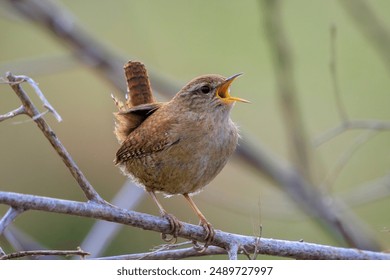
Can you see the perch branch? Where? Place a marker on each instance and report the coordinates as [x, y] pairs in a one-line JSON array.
[[102, 233], [292, 249], [33, 112]]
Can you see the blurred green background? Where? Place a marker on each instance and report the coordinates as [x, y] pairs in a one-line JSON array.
[[181, 40]]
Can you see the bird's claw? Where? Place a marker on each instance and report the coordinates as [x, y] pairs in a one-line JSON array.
[[210, 233], [171, 237]]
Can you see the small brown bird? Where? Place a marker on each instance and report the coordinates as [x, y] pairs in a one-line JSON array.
[[179, 146]]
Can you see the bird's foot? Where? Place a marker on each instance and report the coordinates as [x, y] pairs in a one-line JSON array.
[[210, 233], [171, 237]]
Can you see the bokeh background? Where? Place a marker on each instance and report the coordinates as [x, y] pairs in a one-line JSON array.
[[180, 40]]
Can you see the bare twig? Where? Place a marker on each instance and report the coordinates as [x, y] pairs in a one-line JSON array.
[[377, 125], [22, 254], [299, 250], [346, 122], [169, 254], [13, 113], [170, 251], [255, 251], [8, 218], [38, 91], [33, 112]]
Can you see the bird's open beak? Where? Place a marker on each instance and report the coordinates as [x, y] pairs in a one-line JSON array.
[[223, 90]]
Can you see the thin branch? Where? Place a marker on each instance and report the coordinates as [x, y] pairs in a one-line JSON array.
[[33, 113], [13, 113], [38, 91], [22, 254], [169, 251], [9, 217], [169, 254], [292, 249], [328, 135]]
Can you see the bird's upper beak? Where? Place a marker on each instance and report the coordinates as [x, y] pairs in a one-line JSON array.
[[223, 90]]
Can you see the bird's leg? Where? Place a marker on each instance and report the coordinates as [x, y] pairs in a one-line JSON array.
[[210, 233], [175, 223]]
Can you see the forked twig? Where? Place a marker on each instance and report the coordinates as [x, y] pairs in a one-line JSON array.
[[33, 113], [371, 127], [34, 85], [346, 122]]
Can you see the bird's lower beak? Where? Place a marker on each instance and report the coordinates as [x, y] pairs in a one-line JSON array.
[[223, 90]]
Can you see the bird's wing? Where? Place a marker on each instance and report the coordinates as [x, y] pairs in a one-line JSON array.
[[127, 121], [153, 135]]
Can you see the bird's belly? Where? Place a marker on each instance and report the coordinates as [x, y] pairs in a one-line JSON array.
[[181, 169]]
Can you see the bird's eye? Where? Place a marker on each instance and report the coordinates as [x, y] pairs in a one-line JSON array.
[[205, 89]]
